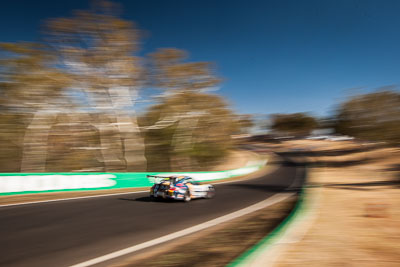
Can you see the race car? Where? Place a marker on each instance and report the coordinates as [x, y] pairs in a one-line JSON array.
[[182, 188]]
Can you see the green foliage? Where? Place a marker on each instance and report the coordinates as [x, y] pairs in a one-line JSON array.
[[374, 116]]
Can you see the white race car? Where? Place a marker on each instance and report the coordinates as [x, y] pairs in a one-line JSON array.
[[179, 188]]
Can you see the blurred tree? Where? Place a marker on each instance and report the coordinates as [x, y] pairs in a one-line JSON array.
[[89, 59], [198, 131], [98, 48], [245, 123], [374, 116], [184, 104], [170, 73], [327, 123], [31, 83], [297, 124]]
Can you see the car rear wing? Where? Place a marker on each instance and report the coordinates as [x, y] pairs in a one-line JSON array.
[[157, 178]]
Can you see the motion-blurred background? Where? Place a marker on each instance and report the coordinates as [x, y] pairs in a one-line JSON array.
[[85, 94]]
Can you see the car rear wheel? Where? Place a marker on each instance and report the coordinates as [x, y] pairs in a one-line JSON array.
[[187, 197], [210, 193]]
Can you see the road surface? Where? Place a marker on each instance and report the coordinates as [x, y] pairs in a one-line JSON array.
[[69, 232]]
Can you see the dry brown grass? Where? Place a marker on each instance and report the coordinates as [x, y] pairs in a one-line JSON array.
[[358, 219]]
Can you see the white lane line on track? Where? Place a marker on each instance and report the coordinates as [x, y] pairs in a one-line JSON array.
[[260, 205], [71, 198]]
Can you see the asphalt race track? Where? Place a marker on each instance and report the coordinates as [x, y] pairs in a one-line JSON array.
[[69, 232]]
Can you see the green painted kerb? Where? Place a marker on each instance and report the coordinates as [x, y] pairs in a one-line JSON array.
[[265, 243]]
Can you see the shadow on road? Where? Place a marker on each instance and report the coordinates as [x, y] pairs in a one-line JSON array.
[[333, 152], [300, 159], [347, 163], [360, 186], [144, 199], [266, 188], [149, 199], [126, 199]]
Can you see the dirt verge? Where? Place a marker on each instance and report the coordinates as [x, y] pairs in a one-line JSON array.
[[357, 219]]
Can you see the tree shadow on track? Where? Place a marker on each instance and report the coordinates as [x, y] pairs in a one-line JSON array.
[[347, 163], [332, 152], [360, 186], [267, 188], [126, 199], [142, 199], [148, 199]]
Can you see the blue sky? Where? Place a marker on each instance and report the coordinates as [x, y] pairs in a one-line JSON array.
[[275, 56]]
